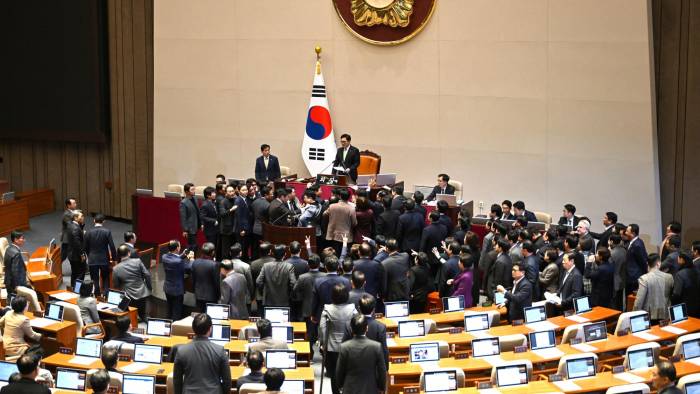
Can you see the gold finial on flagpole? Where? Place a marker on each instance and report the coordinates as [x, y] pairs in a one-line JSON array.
[[318, 60], [318, 52]]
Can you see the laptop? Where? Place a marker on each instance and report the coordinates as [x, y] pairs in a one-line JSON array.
[[486, 347], [283, 332], [595, 332], [172, 195], [542, 340], [70, 379], [363, 180], [385, 179], [220, 333], [580, 368], [411, 328], [451, 199], [639, 323], [535, 314], [678, 313], [6, 370], [277, 314], [453, 304], [151, 354], [642, 358], [476, 322], [424, 352], [144, 192], [54, 311], [292, 386], [282, 359], [119, 299], [396, 309], [218, 311], [511, 375], [438, 381], [582, 305], [692, 388], [138, 384], [88, 347], [78, 285], [691, 349], [158, 327]]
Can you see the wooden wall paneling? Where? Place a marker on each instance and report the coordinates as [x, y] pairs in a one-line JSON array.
[[129, 175], [140, 81], [26, 161], [148, 41]]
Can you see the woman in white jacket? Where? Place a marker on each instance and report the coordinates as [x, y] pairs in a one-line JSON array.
[[334, 318]]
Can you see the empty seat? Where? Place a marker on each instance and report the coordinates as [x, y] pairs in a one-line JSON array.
[[678, 350], [574, 331], [623, 322], [561, 369], [458, 188], [252, 388], [182, 327], [508, 343], [654, 346], [460, 376], [528, 365]]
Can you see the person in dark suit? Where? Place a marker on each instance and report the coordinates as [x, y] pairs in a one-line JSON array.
[[28, 366], [519, 210], [361, 367], [418, 197], [685, 285], [396, 267], [571, 284], [609, 221], [520, 296], [190, 221], [304, 294], [14, 267], [373, 270], [206, 279], [410, 228], [397, 198], [209, 215], [267, 166], [569, 218], [254, 360], [323, 287], [100, 250], [531, 266], [636, 258], [279, 212], [602, 275], [506, 209], [276, 280], [421, 282], [442, 187], [443, 208], [376, 330], [449, 267], [388, 220], [76, 250], [244, 223], [500, 271], [663, 378], [618, 259], [130, 242], [347, 157], [201, 366], [175, 265], [357, 280], [71, 205], [227, 214]]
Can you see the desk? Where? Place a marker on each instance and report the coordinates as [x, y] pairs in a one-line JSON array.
[[72, 298], [156, 220], [4, 186], [39, 201], [14, 215], [326, 190], [59, 334], [37, 270]]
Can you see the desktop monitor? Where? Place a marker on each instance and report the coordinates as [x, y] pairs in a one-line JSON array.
[[218, 311], [115, 297], [158, 327], [476, 322], [582, 305], [511, 375], [435, 381], [411, 328], [88, 347], [486, 347], [396, 309], [151, 354], [6, 370], [642, 358], [692, 388], [580, 367], [220, 332], [78, 285], [292, 386], [138, 384], [678, 313], [167, 194], [424, 352], [542, 339], [691, 349], [594, 331], [385, 179], [453, 304], [54, 312], [283, 333], [639, 323], [363, 180], [282, 359], [277, 315], [534, 314], [70, 379]]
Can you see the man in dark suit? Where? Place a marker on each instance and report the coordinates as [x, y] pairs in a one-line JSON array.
[[260, 208], [376, 330], [499, 273], [450, 268], [227, 214], [442, 187], [388, 219], [175, 265], [443, 208], [520, 296], [506, 208], [254, 362], [100, 250], [373, 270], [300, 265], [636, 258], [569, 217], [76, 251], [279, 210], [15, 268], [206, 279], [267, 167], [357, 279], [244, 221], [130, 242], [361, 367], [410, 228], [609, 221], [190, 221], [209, 215], [397, 198], [531, 266], [519, 210], [618, 259], [276, 280], [304, 294], [71, 205], [201, 366], [323, 287], [396, 267], [28, 367], [571, 283], [347, 157]]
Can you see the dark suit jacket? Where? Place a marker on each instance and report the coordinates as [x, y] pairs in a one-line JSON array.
[[279, 212], [374, 275], [361, 367], [602, 283], [25, 386], [189, 215], [243, 216], [636, 260], [397, 203], [65, 219], [300, 265], [75, 242], [530, 216], [409, 230], [272, 172], [532, 274], [603, 237], [261, 211], [387, 223], [253, 377], [227, 219], [438, 190], [351, 162], [206, 280], [499, 274], [201, 366], [175, 267], [563, 221], [210, 218], [304, 291], [396, 281], [432, 235], [520, 297], [15, 269], [447, 222], [376, 331], [323, 288], [571, 288], [277, 281], [99, 246]]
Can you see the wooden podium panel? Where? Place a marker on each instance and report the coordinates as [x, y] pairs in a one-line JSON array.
[[285, 235], [14, 215], [39, 201]]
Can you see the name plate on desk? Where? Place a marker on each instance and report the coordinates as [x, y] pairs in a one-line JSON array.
[[568, 313], [623, 333], [190, 336], [411, 390], [65, 350], [327, 179], [518, 322], [664, 323], [390, 335], [138, 331], [618, 369], [675, 358], [574, 341], [39, 314], [254, 319], [378, 315], [124, 357], [520, 349], [253, 339], [399, 360], [434, 311], [112, 390], [484, 385], [461, 355], [456, 330], [554, 378]]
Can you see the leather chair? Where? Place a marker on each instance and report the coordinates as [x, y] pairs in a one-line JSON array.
[[169, 384], [71, 312], [633, 388], [678, 349], [623, 322], [561, 369], [509, 342], [692, 378], [528, 365], [247, 332], [543, 217], [370, 163], [654, 346], [175, 188], [182, 327], [459, 188], [199, 190], [4, 244], [574, 331], [284, 171], [32, 298]]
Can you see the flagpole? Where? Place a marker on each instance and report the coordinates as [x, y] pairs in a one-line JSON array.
[[318, 59]]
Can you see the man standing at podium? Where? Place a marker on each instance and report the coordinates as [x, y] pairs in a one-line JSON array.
[[347, 157]]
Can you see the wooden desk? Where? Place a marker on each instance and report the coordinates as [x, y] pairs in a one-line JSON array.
[[14, 215], [104, 314], [39, 201], [37, 269], [4, 186], [299, 328], [59, 334]]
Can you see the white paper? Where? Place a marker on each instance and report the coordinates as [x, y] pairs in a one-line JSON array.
[[390, 342], [493, 360], [629, 377], [64, 296], [104, 305], [674, 330], [429, 366], [552, 298], [41, 322], [577, 318], [584, 347], [135, 367], [37, 259], [340, 168], [549, 353], [489, 391], [543, 325], [695, 361], [480, 334], [39, 273], [82, 360], [646, 336], [567, 385]]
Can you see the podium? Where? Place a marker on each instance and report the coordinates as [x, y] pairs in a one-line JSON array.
[[285, 234]]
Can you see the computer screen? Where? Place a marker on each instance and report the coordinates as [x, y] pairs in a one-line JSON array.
[[542, 339], [639, 323], [138, 384], [692, 388], [220, 332], [78, 284], [642, 358], [453, 304], [594, 331], [511, 375], [54, 312], [88, 347], [424, 352], [292, 387], [440, 381], [412, 328], [282, 359], [283, 333], [148, 353], [678, 313], [485, 347], [396, 309], [580, 367], [535, 314], [277, 315], [114, 297], [476, 322], [70, 379], [582, 304], [158, 327], [218, 311], [7, 369], [691, 349]]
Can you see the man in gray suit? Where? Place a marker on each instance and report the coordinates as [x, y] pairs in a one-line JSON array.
[[618, 258], [133, 278], [189, 217], [304, 293], [277, 280], [396, 267], [201, 366], [654, 293], [243, 268], [234, 290], [361, 367], [71, 205], [266, 341]]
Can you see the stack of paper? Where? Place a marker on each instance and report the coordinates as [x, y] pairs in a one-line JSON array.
[[82, 360], [567, 385], [646, 336], [41, 322], [552, 298], [674, 330], [493, 360], [584, 347], [543, 325], [64, 296], [429, 366], [629, 377], [135, 367], [549, 353], [577, 318]]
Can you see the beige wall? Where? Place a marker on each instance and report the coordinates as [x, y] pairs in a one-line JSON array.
[[548, 101]]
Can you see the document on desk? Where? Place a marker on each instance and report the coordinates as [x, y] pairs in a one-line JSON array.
[[695, 361], [390, 342], [64, 296], [135, 367], [629, 377], [549, 353], [674, 330], [82, 360], [584, 347], [646, 336], [39, 273], [493, 360], [567, 385], [490, 391], [543, 325], [429, 366], [552, 298], [578, 318], [103, 305], [41, 322], [480, 334]]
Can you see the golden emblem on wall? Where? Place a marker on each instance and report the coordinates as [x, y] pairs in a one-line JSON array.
[[394, 13]]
